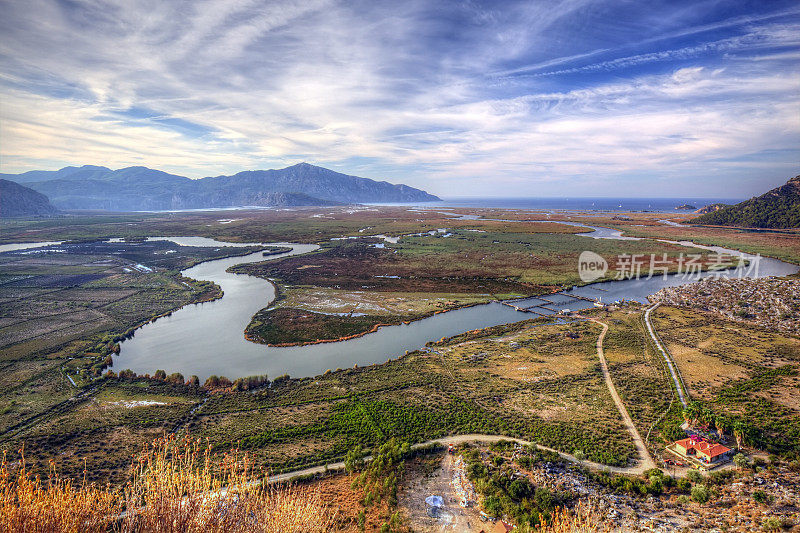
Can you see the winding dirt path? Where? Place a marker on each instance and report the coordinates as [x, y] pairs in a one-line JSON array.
[[471, 437], [645, 460]]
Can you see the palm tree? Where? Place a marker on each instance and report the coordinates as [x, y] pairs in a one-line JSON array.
[[739, 430], [705, 415], [692, 412], [722, 423]]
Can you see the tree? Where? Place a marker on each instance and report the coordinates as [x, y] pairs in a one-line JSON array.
[[722, 423], [354, 460], [160, 375], [692, 413], [742, 431], [580, 456], [193, 381], [741, 461], [700, 494], [705, 415]]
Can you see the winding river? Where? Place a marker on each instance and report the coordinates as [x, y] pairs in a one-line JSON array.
[[207, 338]]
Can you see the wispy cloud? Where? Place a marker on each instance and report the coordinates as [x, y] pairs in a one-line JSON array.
[[451, 97]]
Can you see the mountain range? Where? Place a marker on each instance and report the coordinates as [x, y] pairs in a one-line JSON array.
[[778, 208], [17, 201], [146, 189]]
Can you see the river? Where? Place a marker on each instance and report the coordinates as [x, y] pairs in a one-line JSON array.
[[207, 338]]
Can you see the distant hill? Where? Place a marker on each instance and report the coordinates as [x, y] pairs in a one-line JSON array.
[[710, 208], [779, 208], [146, 189], [84, 172], [19, 201]]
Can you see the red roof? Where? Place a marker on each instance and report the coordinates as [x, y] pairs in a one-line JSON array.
[[711, 449]]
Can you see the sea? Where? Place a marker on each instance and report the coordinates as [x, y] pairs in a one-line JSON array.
[[644, 205], [655, 205]]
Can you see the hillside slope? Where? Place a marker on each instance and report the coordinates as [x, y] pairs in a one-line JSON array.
[[142, 188], [19, 201], [778, 208]]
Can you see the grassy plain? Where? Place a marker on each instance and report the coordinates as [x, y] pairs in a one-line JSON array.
[[780, 244], [498, 261]]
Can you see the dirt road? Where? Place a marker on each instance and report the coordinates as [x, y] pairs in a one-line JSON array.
[[472, 437], [645, 460]]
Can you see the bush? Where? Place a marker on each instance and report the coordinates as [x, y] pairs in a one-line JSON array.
[[695, 476], [741, 460], [655, 487], [762, 497], [700, 494], [217, 382], [772, 523]]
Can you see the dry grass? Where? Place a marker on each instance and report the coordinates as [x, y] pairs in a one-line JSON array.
[[176, 486], [586, 518], [32, 505]]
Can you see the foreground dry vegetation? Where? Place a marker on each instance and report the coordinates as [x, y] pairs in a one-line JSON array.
[[176, 485]]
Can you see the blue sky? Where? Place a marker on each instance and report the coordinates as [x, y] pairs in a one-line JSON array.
[[572, 98]]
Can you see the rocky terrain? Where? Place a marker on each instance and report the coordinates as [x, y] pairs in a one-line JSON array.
[[772, 303], [17, 201]]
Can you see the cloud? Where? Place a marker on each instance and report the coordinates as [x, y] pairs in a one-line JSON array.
[[405, 89]]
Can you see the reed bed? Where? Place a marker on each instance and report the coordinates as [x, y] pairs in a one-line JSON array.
[[176, 485]]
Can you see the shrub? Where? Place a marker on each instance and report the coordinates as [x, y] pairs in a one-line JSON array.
[[762, 497], [741, 461], [655, 486], [700, 494], [772, 523], [217, 382], [695, 476], [175, 377]]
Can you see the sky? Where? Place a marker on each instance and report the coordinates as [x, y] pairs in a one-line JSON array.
[[538, 98]]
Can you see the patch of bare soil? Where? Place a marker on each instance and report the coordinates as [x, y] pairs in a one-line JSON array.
[[434, 477]]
